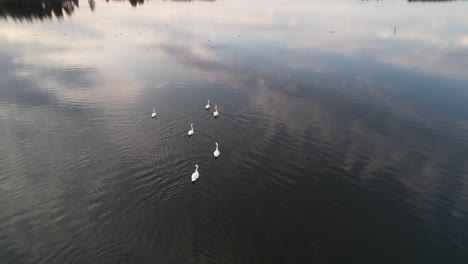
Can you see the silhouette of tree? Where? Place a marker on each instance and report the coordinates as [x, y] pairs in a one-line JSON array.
[[431, 0], [92, 5], [132, 2], [46, 9], [36, 9]]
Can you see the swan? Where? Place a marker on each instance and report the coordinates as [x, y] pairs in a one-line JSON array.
[[195, 175], [153, 115], [207, 105], [191, 131], [216, 153], [215, 113]]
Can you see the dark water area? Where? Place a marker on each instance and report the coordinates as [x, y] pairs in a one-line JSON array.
[[343, 131]]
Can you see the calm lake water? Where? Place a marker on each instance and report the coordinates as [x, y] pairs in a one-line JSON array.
[[343, 131]]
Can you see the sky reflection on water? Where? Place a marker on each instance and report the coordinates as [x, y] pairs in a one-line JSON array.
[[349, 135]]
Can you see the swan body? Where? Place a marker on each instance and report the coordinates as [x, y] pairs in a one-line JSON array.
[[215, 113], [153, 115], [195, 175], [191, 131], [216, 153], [207, 106]]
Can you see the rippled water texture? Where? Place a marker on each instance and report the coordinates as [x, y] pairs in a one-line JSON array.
[[343, 130]]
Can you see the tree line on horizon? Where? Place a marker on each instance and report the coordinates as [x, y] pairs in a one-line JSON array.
[[47, 9]]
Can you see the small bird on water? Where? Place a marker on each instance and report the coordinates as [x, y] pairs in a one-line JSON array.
[[195, 175], [216, 113], [191, 131], [216, 153]]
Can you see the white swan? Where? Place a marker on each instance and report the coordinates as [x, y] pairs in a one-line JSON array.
[[153, 115], [216, 153], [191, 131], [195, 175], [207, 106], [215, 113]]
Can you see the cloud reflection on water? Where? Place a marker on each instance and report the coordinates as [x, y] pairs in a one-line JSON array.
[[397, 96]]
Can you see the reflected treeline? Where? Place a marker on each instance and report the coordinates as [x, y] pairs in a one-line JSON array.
[[432, 0], [36, 9], [46, 9], [417, 0], [132, 2]]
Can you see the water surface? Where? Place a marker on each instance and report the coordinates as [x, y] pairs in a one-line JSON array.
[[343, 130]]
